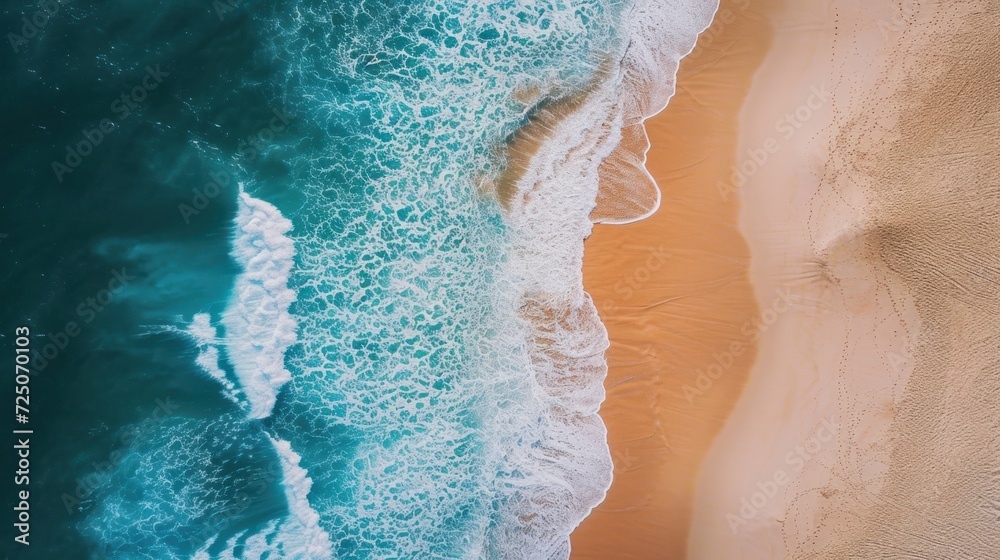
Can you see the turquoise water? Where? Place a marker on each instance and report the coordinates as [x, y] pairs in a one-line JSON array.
[[404, 399], [323, 311]]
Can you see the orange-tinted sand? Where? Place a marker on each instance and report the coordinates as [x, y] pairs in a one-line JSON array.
[[674, 293]]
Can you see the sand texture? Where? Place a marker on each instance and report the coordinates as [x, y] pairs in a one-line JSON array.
[[869, 426], [673, 291]]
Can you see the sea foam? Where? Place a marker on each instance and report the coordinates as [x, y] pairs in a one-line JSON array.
[[660, 33], [449, 366], [206, 337], [549, 218], [259, 327], [297, 536]]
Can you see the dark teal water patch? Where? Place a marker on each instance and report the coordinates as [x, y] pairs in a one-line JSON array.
[[95, 399]]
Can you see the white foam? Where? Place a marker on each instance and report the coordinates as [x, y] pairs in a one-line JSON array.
[[296, 537], [659, 34], [259, 327], [300, 534], [257, 544], [568, 471], [204, 335], [202, 553], [533, 388], [229, 552]]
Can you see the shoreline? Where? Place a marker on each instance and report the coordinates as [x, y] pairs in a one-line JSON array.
[[673, 292], [556, 170]]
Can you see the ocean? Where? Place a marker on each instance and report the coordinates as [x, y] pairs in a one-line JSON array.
[[277, 309]]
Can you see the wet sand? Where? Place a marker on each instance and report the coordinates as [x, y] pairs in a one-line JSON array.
[[521, 147], [674, 293]]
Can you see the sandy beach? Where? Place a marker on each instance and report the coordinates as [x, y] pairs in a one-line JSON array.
[[865, 428], [853, 437], [674, 293], [820, 400], [803, 338]]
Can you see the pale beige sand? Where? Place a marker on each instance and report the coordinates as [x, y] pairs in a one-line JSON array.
[[674, 293], [869, 427]]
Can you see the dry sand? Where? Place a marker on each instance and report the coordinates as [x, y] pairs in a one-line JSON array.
[[869, 426], [673, 291]]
